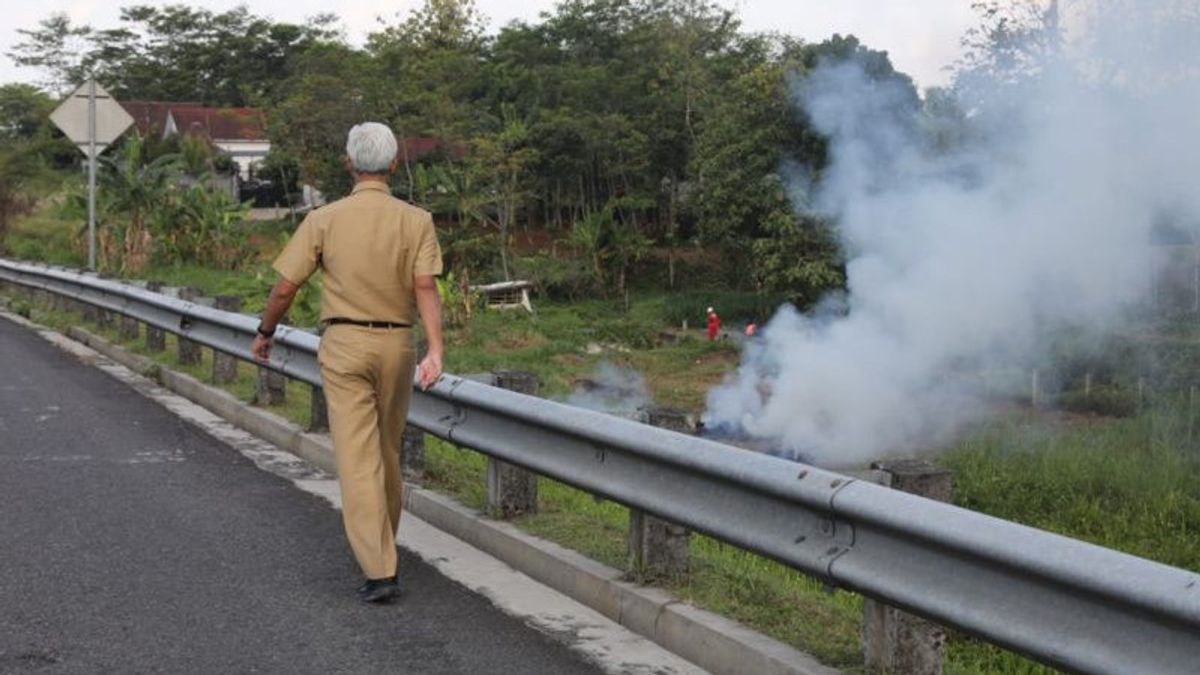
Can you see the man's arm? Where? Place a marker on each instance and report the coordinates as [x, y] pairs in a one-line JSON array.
[[429, 305], [281, 299]]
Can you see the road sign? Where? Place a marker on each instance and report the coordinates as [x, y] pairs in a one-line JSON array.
[[72, 118], [92, 119]]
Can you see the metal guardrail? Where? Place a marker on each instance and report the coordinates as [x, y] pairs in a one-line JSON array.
[[1066, 603]]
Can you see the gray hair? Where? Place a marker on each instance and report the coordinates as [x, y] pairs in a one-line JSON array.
[[371, 147]]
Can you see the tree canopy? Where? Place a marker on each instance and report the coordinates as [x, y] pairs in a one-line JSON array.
[[659, 124]]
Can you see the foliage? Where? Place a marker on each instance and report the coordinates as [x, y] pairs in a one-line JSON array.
[[458, 300], [610, 246], [625, 127], [209, 229], [555, 276], [18, 168], [135, 189], [172, 53]]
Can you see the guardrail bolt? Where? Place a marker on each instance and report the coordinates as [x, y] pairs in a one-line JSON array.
[[659, 549], [511, 490], [189, 352], [225, 367], [156, 338], [896, 642]]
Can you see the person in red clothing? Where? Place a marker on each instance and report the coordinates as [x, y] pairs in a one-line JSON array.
[[714, 324]]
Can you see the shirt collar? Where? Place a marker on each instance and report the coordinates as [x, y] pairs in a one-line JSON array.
[[370, 185]]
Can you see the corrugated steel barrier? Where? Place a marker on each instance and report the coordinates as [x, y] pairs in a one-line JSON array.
[[1066, 603]]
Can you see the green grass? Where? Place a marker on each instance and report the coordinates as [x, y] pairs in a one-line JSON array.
[[47, 235], [770, 597]]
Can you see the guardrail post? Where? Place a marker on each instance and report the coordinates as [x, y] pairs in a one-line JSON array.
[[104, 317], [130, 328], [156, 338], [412, 453], [894, 641], [225, 367], [658, 549], [318, 419], [188, 351], [89, 312], [511, 490], [272, 386]]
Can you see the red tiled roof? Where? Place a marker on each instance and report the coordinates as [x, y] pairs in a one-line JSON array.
[[150, 117], [416, 147], [225, 124]]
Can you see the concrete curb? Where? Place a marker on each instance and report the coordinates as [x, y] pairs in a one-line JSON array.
[[713, 642]]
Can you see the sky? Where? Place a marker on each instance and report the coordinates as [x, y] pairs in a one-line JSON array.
[[922, 36]]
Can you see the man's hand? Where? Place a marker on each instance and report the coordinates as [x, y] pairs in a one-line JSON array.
[[261, 348], [430, 369]]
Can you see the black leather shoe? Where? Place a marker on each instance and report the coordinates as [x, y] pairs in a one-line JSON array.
[[379, 590]]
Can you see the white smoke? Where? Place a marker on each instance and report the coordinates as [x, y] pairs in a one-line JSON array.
[[612, 389], [1042, 219]]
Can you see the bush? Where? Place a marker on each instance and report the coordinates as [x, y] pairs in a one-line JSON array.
[[732, 306], [633, 333], [556, 277], [1106, 400]]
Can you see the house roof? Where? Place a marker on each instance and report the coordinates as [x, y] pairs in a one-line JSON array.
[[150, 117], [219, 124], [416, 147]]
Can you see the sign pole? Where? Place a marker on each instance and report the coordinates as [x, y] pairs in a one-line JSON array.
[[92, 175], [92, 119]]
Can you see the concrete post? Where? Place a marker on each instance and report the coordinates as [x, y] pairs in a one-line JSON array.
[[272, 386], [412, 453], [225, 367], [189, 352], [90, 313], [658, 549], [895, 642], [156, 339], [104, 318], [511, 490], [130, 328], [318, 419]]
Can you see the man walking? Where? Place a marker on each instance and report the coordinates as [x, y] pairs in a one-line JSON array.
[[379, 257]]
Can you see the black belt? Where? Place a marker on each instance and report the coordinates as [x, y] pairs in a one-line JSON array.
[[369, 324]]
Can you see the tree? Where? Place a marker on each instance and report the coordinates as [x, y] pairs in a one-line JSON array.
[[135, 189], [757, 157], [329, 93], [504, 161], [173, 53], [57, 47], [19, 166], [24, 112]]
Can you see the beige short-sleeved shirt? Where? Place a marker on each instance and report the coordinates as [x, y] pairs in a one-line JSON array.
[[370, 246]]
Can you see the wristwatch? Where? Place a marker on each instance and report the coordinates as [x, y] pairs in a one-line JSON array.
[[269, 334]]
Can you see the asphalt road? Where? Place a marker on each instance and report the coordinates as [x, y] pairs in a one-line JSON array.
[[131, 542]]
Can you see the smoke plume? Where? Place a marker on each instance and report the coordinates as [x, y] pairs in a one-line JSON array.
[[1038, 217], [612, 389]]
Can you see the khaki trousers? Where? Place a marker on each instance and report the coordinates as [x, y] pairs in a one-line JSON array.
[[367, 374]]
